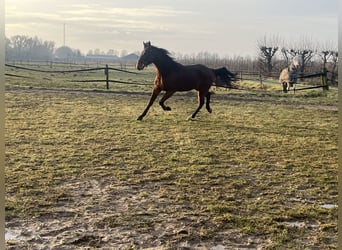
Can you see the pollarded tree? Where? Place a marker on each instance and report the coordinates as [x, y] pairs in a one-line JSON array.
[[266, 56], [325, 55], [334, 62], [267, 50]]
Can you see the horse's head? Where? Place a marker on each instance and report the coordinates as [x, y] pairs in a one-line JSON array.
[[296, 62], [146, 56]]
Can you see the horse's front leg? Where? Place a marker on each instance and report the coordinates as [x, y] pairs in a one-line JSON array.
[[154, 95], [166, 96], [285, 86]]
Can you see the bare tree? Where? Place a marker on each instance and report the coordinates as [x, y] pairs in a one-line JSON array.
[[112, 52], [286, 55], [334, 75], [325, 55], [123, 53], [8, 48], [268, 47], [326, 52], [19, 44]]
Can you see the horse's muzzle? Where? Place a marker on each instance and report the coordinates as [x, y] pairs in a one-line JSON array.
[[140, 66]]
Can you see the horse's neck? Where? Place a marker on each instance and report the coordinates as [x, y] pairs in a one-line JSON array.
[[165, 66]]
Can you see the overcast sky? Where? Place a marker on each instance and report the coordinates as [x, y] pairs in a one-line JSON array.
[[226, 27]]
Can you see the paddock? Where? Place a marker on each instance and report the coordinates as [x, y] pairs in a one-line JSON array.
[[259, 171]]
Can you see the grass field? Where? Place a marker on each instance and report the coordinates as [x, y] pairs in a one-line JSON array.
[[81, 172]]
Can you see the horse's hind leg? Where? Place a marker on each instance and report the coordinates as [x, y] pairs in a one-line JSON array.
[[166, 96], [200, 105], [154, 95], [208, 102]]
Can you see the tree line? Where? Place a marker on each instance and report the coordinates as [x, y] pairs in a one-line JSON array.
[[21, 47], [24, 47]]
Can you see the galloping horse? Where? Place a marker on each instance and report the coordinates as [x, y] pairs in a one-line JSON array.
[[288, 76], [172, 76]]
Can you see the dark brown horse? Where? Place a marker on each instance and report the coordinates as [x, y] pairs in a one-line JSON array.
[[172, 76]]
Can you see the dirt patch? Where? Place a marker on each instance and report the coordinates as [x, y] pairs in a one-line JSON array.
[[112, 215]]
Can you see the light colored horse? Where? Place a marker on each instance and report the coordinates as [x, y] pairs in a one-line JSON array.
[[288, 76]]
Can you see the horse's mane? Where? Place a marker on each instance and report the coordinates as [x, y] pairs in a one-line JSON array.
[[164, 54]]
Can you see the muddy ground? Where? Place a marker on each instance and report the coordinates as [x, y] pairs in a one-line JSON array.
[[90, 216]]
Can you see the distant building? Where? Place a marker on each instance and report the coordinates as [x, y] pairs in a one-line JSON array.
[[66, 54]]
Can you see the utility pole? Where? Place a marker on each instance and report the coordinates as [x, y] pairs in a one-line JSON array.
[[64, 34]]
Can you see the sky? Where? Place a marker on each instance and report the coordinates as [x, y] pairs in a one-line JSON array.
[[225, 27]]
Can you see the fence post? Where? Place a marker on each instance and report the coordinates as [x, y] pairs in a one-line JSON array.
[[107, 76], [260, 78], [324, 80]]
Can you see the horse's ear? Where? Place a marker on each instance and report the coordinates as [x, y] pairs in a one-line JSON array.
[[147, 44]]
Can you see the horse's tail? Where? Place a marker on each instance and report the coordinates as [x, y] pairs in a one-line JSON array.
[[224, 78]]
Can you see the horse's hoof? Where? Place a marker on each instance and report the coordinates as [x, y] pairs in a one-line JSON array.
[[190, 118], [167, 108], [210, 110], [140, 118]]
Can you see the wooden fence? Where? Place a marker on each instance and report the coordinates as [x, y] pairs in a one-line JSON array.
[[241, 75], [258, 76], [106, 73]]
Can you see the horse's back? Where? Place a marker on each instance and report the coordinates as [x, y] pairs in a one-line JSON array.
[[199, 68], [284, 75], [189, 77], [202, 74]]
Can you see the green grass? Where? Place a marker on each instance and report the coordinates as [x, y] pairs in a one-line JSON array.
[[244, 171]]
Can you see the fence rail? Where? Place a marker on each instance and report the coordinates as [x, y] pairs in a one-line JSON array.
[[241, 75], [324, 80], [106, 72]]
